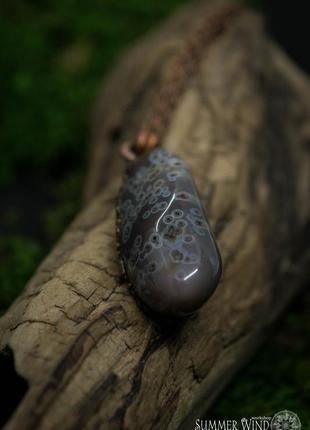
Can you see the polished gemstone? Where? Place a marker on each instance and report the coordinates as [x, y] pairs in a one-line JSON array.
[[164, 239]]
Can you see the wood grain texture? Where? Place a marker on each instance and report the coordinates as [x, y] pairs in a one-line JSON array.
[[92, 358]]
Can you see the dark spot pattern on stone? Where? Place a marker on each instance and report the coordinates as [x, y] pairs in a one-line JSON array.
[[164, 239]]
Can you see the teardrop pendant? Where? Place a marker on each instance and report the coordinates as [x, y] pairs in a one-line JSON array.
[[164, 239]]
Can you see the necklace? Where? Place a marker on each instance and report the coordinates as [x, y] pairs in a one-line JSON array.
[[164, 239]]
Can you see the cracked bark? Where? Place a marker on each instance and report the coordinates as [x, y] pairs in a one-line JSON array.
[[91, 357]]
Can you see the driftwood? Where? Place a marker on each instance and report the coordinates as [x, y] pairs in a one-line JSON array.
[[92, 359]]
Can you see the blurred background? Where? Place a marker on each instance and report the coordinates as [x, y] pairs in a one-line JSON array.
[[53, 56]]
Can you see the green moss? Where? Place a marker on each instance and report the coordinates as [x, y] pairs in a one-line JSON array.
[[278, 377], [68, 194], [53, 56]]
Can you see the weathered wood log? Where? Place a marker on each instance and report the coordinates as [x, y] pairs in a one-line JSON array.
[[91, 357]]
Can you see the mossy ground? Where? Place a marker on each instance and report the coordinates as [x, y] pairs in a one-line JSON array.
[[53, 55]]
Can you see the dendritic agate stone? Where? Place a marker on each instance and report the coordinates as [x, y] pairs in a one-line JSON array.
[[164, 239]]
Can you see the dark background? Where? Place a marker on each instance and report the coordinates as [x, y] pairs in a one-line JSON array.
[[53, 55]]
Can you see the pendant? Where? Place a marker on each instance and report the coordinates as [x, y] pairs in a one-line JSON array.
[[164, 239]]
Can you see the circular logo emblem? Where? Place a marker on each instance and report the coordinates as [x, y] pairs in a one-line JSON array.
[[285, 420]]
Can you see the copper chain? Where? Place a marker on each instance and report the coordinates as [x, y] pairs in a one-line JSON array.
[[185, 65]]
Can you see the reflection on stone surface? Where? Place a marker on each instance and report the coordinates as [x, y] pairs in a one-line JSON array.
[[165, 241]]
